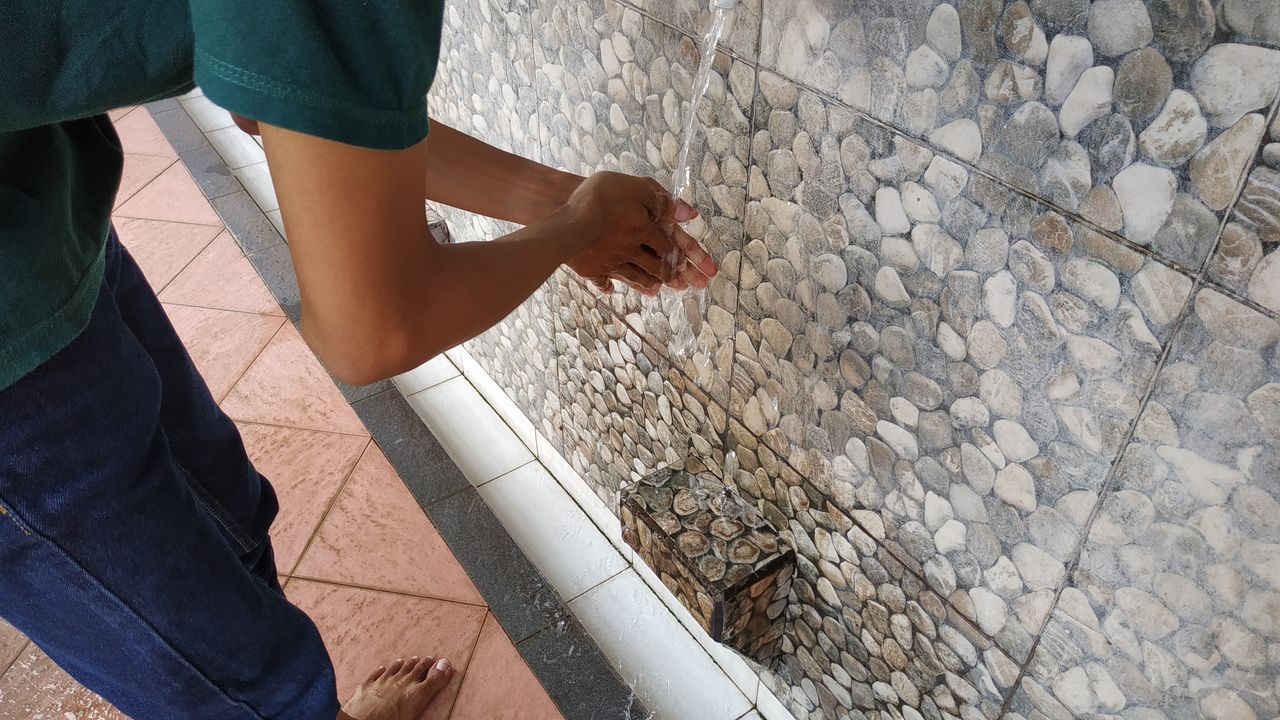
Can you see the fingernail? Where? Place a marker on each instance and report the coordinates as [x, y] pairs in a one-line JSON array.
[[442, 665], [685, 211]]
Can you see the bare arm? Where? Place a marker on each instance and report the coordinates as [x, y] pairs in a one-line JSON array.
[[463, 172], [379, 296]]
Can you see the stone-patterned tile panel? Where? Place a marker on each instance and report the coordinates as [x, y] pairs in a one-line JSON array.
[[625, 411], [742, 25], [1247, 260], [1140, 115], [483, 84], [630, 81], [1174, 610], [866, 637], [922, 342]]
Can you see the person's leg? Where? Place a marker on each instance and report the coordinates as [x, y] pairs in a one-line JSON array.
[[203, 441], [116, 569]]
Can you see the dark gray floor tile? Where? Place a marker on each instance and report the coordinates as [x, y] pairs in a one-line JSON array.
[[247, 223], [181, 131], [210, 172], [276, 268], [577, 676], [415, 453]]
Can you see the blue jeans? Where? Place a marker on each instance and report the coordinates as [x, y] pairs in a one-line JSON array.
[[133, 529]]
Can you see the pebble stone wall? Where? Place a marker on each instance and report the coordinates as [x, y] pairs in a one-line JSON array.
[[995, 339]]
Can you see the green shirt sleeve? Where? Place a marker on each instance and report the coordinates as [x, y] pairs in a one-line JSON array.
[[353, 71]]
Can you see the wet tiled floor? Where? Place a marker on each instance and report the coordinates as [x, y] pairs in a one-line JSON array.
[[354, 549]]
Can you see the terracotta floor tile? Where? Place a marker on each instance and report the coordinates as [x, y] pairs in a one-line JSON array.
[[498, 685], [306, 468], [12, 643], [173, 195], [161, 248], [366, 628], [221, 277], [37, 689], [138, 171], [377, 536], [120, 112], [222, 343], [287, 386], [140, 135]]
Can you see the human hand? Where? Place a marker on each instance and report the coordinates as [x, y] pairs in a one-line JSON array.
[[632, 234]]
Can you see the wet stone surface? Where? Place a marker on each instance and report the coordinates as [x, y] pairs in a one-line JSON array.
[[1052, 94], [1174, 610]]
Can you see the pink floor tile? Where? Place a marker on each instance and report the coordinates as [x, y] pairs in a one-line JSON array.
[[498, 685], [306, 468], [120, 112], [161, 248], [287, 386], [138, 171], [221, 277], [366, 628], [221, 342], [377, 536], [173, 196], [140, 135], [37, 689], [12, 643]]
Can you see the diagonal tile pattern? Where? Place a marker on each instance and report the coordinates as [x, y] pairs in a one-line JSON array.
[[380, 582]]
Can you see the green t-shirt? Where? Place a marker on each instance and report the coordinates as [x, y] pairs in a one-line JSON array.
[[354, 71]]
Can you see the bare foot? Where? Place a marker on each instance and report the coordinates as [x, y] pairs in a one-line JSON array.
[[399, 691]]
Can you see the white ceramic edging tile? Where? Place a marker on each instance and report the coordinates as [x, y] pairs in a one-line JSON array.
[[753, 715], [552, 530], [256, 178], [770, 707], [730, 662], [591, 504], [498, 398], [276, 218], [236, 147], [205, 114], [654, 655], [429, 374], [471, 432]]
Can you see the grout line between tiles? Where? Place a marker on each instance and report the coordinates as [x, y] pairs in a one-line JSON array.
[[120, 201], [16, 657], [219, 309], [116, 215], [240, 376], [402, 593], [333, 501], [1110, 481], [462, 677], [290, 427]]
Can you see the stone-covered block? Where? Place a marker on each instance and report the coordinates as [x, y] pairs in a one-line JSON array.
[[716, 553]]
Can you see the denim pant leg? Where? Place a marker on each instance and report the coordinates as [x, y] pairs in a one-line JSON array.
[[119, 563], [204, 442]]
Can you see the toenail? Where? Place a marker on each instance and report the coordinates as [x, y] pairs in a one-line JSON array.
[[442, 665]]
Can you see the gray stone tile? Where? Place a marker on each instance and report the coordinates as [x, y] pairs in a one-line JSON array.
[[275, 267], [867, 637], [577, 676], [918, 340], [1143, 100], [624, 410], [1246, 260], [180, 130], [484, 79], [1174, 610], [246, 221], [517, 594], [693, 17], [210, 172], [625, 108], [417, 456]]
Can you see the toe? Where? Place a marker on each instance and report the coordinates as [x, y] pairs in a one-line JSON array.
[[394, 667], [376, 674], [424, 667], [439, 674], [410, 666]]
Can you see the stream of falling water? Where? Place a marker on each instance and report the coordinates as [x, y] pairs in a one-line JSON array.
[[672, 303]]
